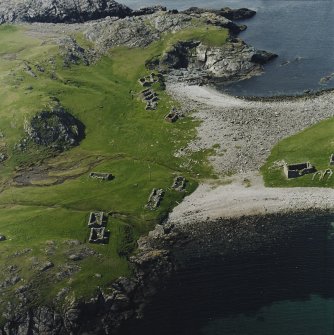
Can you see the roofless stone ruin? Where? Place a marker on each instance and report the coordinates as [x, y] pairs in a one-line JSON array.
[[101, 176], [155, 198], [179, 184], [298, 169], [97, 223]]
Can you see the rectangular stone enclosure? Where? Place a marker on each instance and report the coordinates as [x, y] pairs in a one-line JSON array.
[[155, 199], [97, 220], [331, 159], [171, 117], [101, 176], [298, 169], [179, 184], [98, 235]]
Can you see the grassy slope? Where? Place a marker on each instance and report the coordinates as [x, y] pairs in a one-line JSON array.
[[135, 145], [314, 144]]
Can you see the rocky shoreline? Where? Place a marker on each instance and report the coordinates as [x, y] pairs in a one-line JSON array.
[[168, 249]]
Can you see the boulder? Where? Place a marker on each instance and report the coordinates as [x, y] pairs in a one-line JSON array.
[[262, 57]]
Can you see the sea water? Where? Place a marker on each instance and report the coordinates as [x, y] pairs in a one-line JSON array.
[[287, 290]]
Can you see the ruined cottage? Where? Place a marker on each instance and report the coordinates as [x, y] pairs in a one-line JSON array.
[[98, 235], [101, 176], [155, 199], [298, 169], [331, 159], [172, 117], [179, 184], [97, 220]]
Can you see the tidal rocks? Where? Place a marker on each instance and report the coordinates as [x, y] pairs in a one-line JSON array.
[[59, 11], [149, 10], [262, 57], [228, 13], [237, 14], [56, 129]]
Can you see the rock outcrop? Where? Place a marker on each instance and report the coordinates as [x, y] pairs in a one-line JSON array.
[[104, 313], [149, 10], [60, 11], [56, 129], [199, 63], [228, 13]]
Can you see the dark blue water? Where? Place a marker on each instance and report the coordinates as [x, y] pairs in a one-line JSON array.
[[300, 32], [286, 290]]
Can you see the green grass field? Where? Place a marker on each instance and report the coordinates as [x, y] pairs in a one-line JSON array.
[[314, 144], [42, 221]]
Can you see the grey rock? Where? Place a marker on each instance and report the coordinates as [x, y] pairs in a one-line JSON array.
[[75, 257], [46, 321], [46, 266], [237, 14], [231, 14], [56, 129], [57, 11], [149, 10], [199, 63], [262, 57], [73, 53]]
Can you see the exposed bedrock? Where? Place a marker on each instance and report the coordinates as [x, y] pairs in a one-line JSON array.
[[57, 11], [102, 314], [169, 249], [235, 60], [231, 14], [56, 129]]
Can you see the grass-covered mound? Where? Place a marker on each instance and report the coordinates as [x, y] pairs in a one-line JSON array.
[[46, 197], [314, 144]]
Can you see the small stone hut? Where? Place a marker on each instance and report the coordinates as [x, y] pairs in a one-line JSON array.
[[298, 169]]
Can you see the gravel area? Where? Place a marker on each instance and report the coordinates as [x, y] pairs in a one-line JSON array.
[[238, 199], [246, 131]]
